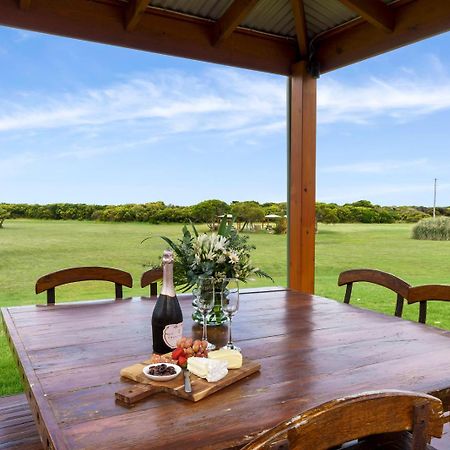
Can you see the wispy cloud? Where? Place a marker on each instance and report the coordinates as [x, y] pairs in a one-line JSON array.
[[221, 100], [375, 166], [402, 98]]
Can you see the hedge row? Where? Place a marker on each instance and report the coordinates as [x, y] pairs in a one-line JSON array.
[[206, 212]]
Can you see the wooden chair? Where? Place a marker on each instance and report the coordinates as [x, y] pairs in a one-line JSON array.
[[387, 280], [50, 281], [383, 417], [425, 293], [151, 277]]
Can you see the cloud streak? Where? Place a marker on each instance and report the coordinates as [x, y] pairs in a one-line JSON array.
[[221, 100], [402, 98]]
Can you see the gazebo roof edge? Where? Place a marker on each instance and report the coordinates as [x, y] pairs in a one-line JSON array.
[[162, 31]]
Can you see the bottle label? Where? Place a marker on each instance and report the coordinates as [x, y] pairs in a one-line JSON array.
[[172, 333]]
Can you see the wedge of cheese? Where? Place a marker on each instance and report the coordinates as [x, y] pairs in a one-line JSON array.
[[207, 368], [232, 357], [198, 366]]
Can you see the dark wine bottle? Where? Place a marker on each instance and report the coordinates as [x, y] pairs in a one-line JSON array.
[[167, 318]]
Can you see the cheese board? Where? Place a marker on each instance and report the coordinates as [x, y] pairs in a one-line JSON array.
[[143, 388]]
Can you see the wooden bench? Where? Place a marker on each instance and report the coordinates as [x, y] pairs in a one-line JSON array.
[[17, 428]]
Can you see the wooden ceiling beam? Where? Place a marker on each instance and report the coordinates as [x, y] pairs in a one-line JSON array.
[[300, 27], [134, 12], [231, 19], [414, 21], [158, 31], [375, 12], [24, 4]]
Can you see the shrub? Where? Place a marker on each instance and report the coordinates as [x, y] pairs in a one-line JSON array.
[[281, 226], [437, 229], [4, 214]]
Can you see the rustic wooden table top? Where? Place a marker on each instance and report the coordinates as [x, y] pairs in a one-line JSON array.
[[311, 349]]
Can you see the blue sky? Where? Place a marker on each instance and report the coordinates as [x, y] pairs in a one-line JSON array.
[[83, 122]]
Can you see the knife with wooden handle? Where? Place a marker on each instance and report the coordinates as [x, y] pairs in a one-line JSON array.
[[187, 381]]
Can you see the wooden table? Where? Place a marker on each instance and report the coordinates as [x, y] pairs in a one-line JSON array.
[[311, 350]]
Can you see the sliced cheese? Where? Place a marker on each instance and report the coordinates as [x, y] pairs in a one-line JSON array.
[[232, 357], [207, 368]]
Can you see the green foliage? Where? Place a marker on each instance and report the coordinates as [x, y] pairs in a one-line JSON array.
[[247, 213], [364, 211], [225, 254], [4, 214], [208, 211], [437, 229], [281, 226], [327, 213], [275, 208]]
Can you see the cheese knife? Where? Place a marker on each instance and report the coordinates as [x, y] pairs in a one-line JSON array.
[[187, 381]]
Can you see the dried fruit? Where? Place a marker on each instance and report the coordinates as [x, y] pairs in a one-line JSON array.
[[161, 370]]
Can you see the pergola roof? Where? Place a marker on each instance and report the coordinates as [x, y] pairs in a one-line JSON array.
[[269, 16], [266, 35]]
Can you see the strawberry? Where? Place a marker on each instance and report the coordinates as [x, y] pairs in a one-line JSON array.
[[177, 353], [182, 362]]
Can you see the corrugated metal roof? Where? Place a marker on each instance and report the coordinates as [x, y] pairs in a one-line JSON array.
[[270, 16], [325, 14], [208, 9]]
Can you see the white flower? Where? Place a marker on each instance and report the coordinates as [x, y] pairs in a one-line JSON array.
[[220, 243], [234, 258]]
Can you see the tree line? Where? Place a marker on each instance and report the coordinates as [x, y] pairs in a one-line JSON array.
[[246, 213]]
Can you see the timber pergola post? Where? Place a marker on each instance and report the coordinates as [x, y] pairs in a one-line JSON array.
[[302, 88]]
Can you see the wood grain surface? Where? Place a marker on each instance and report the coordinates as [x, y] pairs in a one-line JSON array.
[[311, 350]]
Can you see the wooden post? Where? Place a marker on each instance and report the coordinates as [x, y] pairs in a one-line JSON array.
[[302, 178]]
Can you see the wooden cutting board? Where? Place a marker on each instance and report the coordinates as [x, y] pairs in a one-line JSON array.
[[145, 387]]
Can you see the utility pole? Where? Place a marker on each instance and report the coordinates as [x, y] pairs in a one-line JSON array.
[[434, 200]]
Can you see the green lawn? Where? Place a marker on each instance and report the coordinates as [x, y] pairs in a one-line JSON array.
[[31, 248]]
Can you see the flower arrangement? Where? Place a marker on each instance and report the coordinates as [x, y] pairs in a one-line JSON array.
[[225, 254]]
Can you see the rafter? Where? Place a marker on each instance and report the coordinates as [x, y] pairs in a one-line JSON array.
[[415, 20], [375, 12], [162, 32], [231, 19], [300, 27], [24, 4], [134, 12]]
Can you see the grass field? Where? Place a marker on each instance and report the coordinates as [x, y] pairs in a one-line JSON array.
[[31, 248]]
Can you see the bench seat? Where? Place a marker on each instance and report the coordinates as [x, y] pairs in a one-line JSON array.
[[17, 428]]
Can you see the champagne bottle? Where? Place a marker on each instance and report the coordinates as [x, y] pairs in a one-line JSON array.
[[167, 318]]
